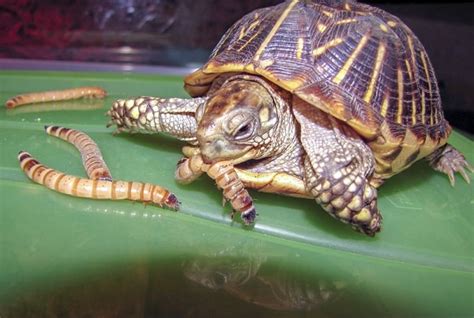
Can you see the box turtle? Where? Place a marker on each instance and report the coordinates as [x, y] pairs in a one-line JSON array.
[[313, 99]]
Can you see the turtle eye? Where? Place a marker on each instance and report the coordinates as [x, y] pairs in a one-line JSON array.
[[244, 131]]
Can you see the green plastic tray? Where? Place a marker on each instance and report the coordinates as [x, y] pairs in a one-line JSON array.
[[60, 254]]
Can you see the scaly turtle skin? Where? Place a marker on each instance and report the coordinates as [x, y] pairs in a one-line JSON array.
[[316, 99]]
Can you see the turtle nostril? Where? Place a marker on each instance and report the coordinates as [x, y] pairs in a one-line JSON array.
[[218, 146], [213, 148]]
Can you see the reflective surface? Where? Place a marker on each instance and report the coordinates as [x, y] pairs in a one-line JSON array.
[[61, 255]]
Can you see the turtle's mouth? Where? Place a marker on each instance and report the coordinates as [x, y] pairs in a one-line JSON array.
[[243, 156], [249, 155]]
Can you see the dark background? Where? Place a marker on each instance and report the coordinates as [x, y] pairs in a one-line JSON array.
[[182, 33]]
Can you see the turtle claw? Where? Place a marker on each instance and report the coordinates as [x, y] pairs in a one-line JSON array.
[[449, 161], [113, 122], [451, 178], [109, 124], [464, 174]]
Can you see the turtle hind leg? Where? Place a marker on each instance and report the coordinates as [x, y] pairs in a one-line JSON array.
[[449, 160]]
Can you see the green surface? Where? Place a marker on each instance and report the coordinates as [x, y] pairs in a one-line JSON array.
[[60, 254]]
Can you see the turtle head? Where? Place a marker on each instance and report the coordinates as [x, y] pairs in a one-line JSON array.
[[236, 121]]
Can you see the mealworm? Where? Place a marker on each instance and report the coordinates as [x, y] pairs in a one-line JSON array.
[[95, 189], [47, 96], [91, 156], [76, 105], [189, 169], [233, 189]]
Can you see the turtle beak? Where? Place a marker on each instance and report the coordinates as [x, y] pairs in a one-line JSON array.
[[213, 148], [213, 144]]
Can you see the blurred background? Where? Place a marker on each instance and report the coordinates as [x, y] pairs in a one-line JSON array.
[[182, 33]]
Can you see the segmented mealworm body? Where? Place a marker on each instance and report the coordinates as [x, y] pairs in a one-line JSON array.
[[91, 156], [58, 106], [233, 189], [189, 169], [95, 189], [47, 96]]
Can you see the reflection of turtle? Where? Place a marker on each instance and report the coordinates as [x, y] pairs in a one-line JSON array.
[[318, 99], [249, 279]]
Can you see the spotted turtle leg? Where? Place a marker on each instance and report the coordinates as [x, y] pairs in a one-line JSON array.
[[347, 195], [338, 169], [449, 160], [174, 116]]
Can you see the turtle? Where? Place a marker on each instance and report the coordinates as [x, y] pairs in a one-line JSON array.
[[313, 99]]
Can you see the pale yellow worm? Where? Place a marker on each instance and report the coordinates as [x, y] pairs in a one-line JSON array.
[[95, 189], [189, 169], [48, 96], [233, 189], [92, 159], [226, 178]]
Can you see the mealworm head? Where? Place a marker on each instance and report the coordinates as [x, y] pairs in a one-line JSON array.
[[172, 202], [22, 155], [249, 216]]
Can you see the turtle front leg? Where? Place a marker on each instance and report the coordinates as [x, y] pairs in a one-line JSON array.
[[174, 116], [338, 169], [347, 195], [339, 177]]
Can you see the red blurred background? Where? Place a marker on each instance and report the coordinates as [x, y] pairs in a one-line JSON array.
[[183, 33]]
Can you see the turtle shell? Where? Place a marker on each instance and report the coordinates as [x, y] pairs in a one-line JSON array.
[[358, 63]]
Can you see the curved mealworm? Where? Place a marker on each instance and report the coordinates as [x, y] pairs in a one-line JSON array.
[[95, 189], [47, 96], [189, 169], [233, 189], [91, 156]]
